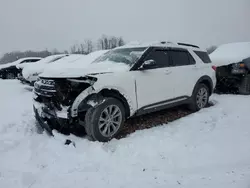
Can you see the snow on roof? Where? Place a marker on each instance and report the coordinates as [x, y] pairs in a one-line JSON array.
[[137, 44], [230, 53], [17, 62], [38, 67]]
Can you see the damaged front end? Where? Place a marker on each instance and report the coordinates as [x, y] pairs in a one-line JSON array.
[[54, 99]]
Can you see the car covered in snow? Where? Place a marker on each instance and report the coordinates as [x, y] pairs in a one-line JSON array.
[[232, 64], [30, 73], [11, 70], [124, 82], [72, 62]]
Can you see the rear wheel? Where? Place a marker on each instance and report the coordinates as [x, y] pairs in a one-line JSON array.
[[103, 122], [244, 88], [200, 97]]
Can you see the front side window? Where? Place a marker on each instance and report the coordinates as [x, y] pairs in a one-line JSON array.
[[122, 55], [160, 57]]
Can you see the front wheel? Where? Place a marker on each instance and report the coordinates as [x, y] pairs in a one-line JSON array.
[[200, 97], [103, 122]]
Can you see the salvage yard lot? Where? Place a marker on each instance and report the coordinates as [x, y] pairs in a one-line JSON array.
[[207, 149]]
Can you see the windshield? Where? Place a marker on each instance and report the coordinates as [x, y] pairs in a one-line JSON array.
[[122, 55]]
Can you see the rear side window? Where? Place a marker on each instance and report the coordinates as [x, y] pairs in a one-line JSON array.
[[181, 58], [203, 56]]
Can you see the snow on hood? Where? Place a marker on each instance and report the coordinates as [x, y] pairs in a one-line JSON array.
[[38, 67], [92, 68], [230, 53], [73, 69], [17, 62]]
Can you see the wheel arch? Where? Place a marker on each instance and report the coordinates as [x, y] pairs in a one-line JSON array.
[[97, 98], [116, 94], [207, 81]]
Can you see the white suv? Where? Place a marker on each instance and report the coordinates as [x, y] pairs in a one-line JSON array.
[[124, 82]]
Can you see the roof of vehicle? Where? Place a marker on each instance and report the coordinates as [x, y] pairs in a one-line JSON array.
[[230, 53], [17, 62], [162, 44]]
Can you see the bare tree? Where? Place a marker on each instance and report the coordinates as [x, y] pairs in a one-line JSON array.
[[73, 49], [89, 46], [121, 41], [106, 42], [15, 55]]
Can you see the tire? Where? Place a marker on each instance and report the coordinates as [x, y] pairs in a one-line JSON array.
[[244, 88], [99, 125], [196, 103]]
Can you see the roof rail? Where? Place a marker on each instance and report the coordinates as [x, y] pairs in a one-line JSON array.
[[167, 42], [185, 44]]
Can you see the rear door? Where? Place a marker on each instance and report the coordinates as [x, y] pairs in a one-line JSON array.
[[184, 69]]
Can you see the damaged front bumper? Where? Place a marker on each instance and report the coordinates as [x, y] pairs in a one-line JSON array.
[[55, 105], [48, 119], [42, 123]]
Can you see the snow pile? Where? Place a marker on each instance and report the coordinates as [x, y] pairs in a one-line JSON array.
[[34, 69], [206, 149], [230, 53], [74, 69], [16, 62]]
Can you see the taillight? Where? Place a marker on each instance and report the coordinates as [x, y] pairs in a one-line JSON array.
[[214, 68], [242, 65]]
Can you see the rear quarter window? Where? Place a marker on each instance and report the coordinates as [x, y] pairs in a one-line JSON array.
[[203, 56]]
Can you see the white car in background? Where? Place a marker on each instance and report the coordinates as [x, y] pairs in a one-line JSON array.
[[61, 64], [12, 70], [69, 66], [31, 72]]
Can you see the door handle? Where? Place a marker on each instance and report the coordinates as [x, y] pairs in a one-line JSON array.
[[167, 71]]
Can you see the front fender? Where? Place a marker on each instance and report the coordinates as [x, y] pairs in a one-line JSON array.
[[74, 108], [92, 90]]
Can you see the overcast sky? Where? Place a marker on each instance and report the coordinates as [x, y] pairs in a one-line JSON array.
[[40, 24]]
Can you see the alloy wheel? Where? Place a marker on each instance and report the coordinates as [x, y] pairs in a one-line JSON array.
[[110, 120], [202, 97]]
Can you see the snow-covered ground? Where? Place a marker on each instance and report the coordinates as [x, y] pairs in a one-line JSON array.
[[206, 149]]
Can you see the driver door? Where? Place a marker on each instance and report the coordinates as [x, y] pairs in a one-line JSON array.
[[155, 85]]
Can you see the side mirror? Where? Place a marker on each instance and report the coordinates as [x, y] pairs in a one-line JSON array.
[[148, 64]]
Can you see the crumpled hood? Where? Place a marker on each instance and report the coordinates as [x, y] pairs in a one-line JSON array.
[[83, 70]]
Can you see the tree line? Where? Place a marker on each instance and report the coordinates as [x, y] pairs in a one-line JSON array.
[[85, 47]]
